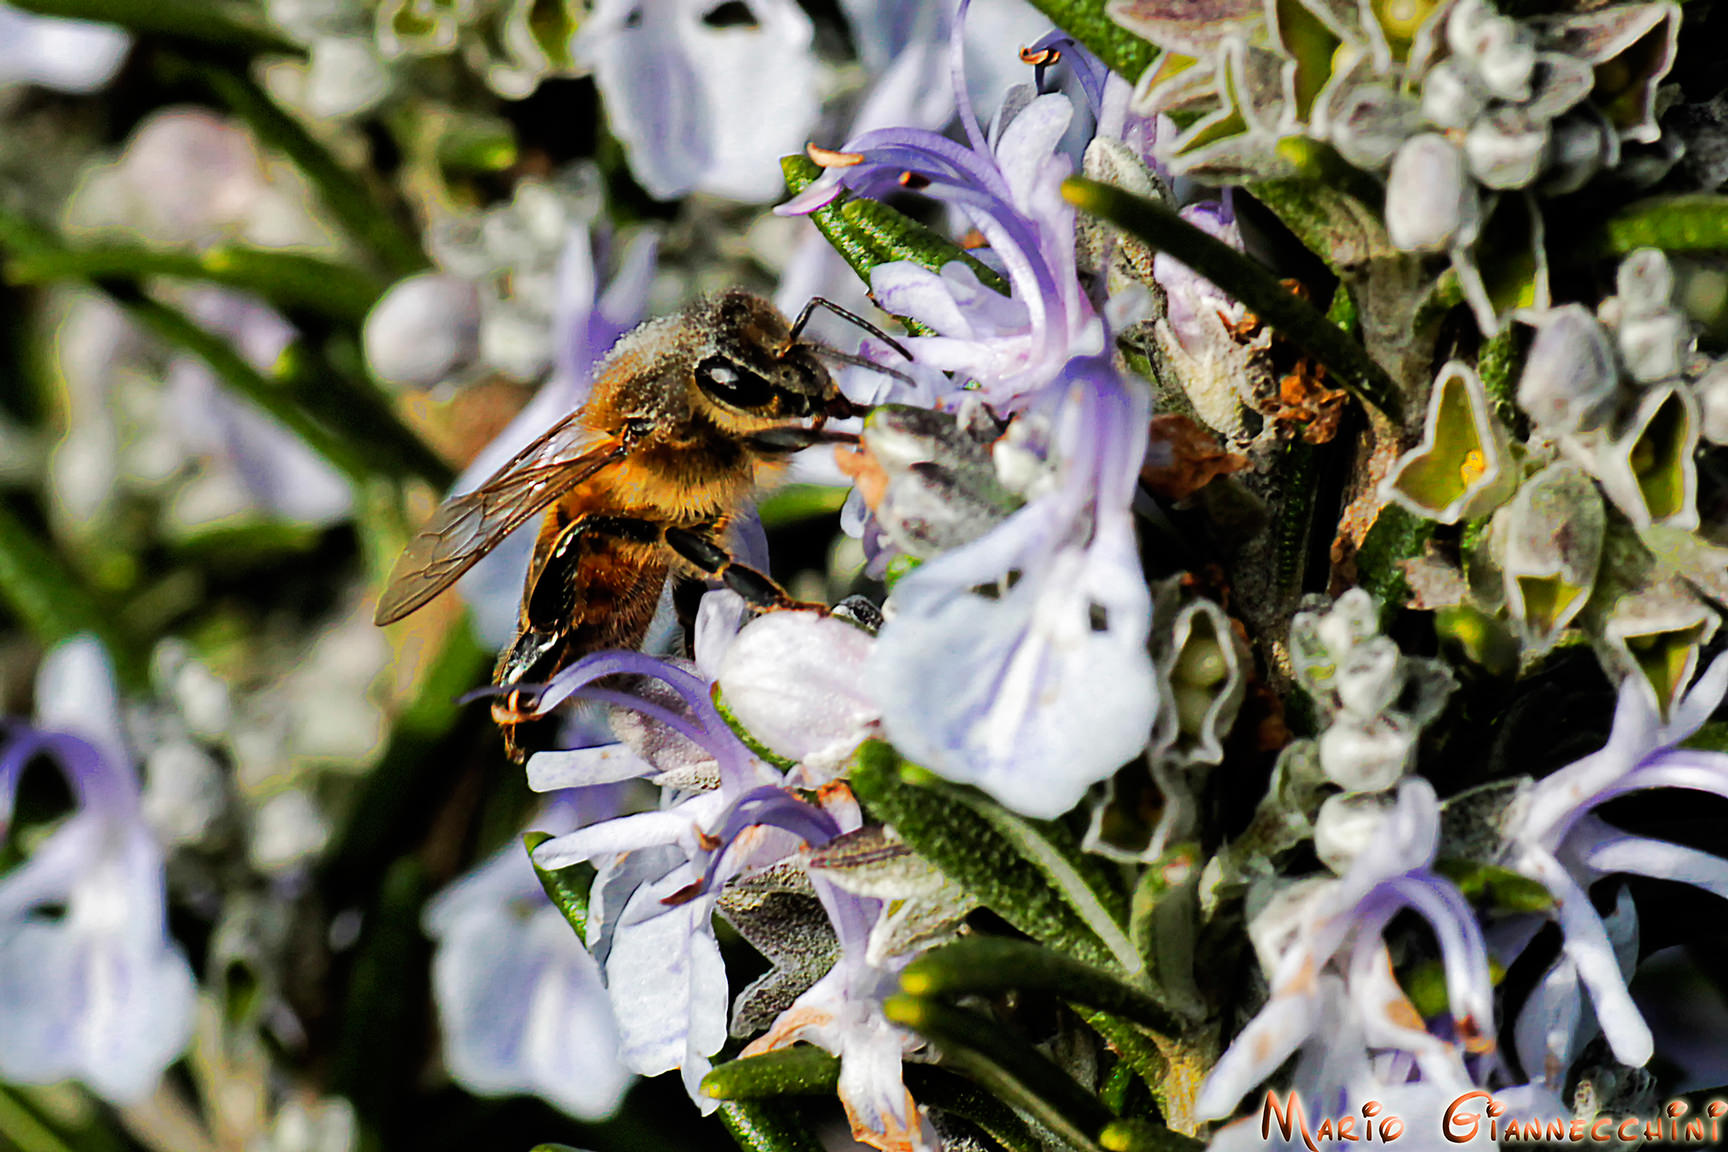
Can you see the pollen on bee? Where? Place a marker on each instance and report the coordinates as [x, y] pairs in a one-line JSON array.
[[829, 158], [1041, 56]]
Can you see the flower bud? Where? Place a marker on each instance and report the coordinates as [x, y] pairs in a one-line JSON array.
[[1369, 757], [1370, 678], [1654, 345], [1449, 99], [1431, 203], [1346, 824], [1505, 148], [1569, 376]]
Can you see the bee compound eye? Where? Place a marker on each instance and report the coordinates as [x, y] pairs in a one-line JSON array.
[[733, 384]]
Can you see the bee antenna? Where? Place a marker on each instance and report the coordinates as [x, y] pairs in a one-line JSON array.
[[857, 361], [823, 301]]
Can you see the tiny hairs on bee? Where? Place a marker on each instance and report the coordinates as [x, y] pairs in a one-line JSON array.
[[688, 416]]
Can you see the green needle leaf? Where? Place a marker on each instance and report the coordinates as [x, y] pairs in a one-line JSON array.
[[1697, 222], [989, 965], [230, 25], [765, 1127], [287, 279], [567, 888], [974, 855], [1007, 1065], [53, 602], [1247, 281], [802, 1070]]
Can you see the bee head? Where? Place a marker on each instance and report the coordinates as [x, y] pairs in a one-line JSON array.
[[755, 368]]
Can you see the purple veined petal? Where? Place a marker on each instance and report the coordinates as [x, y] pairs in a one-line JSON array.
[[1029, 143], [1586, 944], [667, 982], [683, 823], [1642, 856], [585, 767], [1269, 1039], [1548, 1030], [1462, 951], [795, 680], [957, 72], [1696, 770]]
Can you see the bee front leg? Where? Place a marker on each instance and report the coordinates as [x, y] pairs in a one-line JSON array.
[[757, 589]]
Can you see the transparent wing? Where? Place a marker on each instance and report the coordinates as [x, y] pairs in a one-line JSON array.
[[467, 527]]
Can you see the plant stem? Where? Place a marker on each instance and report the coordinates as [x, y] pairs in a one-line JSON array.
[[1247, 281], [220, 23]]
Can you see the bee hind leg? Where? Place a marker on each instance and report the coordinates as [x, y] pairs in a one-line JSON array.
[[709, 557]]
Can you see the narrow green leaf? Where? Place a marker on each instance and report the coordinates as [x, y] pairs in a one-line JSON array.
[[793, 503], [567, 888], [176, 328], [1121, 50], [287, 279], [973, 854], [940, 1088], [801, 1070], [1007, 1065], [867, 233], [1712, 737], [51, 601], [21, 1130], [362, 213], [1396, 535], [229, 25], [761, 1126], [1695, 222], [989, 965], [899, 237], [1239, 275], [1131, 1134], [1081, 879]]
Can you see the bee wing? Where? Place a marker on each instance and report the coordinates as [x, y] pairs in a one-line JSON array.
[[467, 527]]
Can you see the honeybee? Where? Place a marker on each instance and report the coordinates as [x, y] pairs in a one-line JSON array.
[[688, 415]]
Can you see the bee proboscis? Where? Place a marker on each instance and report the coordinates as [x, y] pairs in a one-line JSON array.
[[688, 415]]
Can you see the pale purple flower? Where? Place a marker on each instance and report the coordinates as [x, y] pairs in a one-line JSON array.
[[1019, 662], [1332, 989], [247, 461], [1552, 836], [660, 873], [698, 106], [69, 55], [521, 1001], [1009, 187], [796, 681], [842, 1013], [92, 987]]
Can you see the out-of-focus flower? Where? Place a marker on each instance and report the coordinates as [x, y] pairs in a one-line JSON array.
[[521, 1000], [1019, 662], [511, 44], [701, 104], [92, 987], [1552, 836], [70, 55], [424, 330]]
